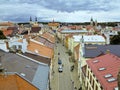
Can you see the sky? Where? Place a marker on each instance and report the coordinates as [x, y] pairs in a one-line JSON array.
[[60, 10]]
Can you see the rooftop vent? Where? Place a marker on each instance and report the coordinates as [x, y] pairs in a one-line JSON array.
[[95, 61], [108, 75], [22, 74], [101, 69], [111, 79]]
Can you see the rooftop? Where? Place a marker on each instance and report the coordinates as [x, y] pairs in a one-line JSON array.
[[94, 38], [35, 72], [74, 31], [15, 82], [49, 37], [105, 72], [38, 48], [38, 58], [96, 50], [77, 38], [45, 42]]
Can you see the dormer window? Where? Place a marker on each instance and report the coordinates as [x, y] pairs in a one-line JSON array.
[[111, 79], [95, 61], [101, 69], [108, 75]]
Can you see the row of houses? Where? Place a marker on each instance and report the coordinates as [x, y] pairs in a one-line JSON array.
[[26, 58], [98, 62]]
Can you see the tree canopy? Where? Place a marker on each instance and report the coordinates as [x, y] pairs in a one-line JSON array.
[[2, 36], [115, 39]]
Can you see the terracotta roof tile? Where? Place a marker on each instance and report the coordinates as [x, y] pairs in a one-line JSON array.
[[7, 32], [15, 82], [45, 42], [6, 24], [49, 37], [53, 24], [35, 47], [111, 63]]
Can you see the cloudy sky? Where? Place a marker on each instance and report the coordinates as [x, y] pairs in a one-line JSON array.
[[60, 10]]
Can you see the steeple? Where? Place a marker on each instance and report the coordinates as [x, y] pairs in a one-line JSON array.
[[35, 19], [30, 19], [91, 21]]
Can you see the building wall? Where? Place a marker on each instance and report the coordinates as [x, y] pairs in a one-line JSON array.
[[17, 44], [91, 83], [3, 46]]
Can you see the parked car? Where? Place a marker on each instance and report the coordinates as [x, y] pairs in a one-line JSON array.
[[60, 68], [59, 61]]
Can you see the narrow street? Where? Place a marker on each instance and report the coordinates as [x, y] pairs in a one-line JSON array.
[[61, 80]]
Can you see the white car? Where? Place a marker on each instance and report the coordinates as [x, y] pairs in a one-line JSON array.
[[60, 68]]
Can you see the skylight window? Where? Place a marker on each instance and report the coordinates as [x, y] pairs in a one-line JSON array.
[[101, 69], [108, 75], [111, 79], [95, 61]]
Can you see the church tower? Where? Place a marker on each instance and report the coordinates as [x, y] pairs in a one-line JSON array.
[[30, 20], [91, 21], [36, 22]]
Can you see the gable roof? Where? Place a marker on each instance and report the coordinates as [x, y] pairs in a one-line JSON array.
[[91, 51], [14, 81], [111, 63], [53, 24], [38, 58], [40, 49], [35, 29], [6, 23], [49, 37], [33, 71], [45, 41]]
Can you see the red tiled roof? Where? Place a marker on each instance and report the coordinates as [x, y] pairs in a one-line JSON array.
[[89, 27], [6, 23], [111, 63], [49, 37], [41, 49], [7, 32], [15, 82]]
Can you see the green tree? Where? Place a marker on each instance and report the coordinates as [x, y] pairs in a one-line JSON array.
[[2, 36], [115, 39]]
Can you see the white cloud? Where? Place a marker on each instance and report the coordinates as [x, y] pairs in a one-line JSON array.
[[60, 10]]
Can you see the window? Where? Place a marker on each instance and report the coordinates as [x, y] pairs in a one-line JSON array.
[[101, 69], [111, 79], [108, 75], [95, 61]]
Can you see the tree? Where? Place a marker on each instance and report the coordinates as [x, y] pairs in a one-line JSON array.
[[115, 39], [2, 36]]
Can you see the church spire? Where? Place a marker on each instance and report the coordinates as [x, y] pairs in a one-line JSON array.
[[30, 18], [91, 21], [35, 19]]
